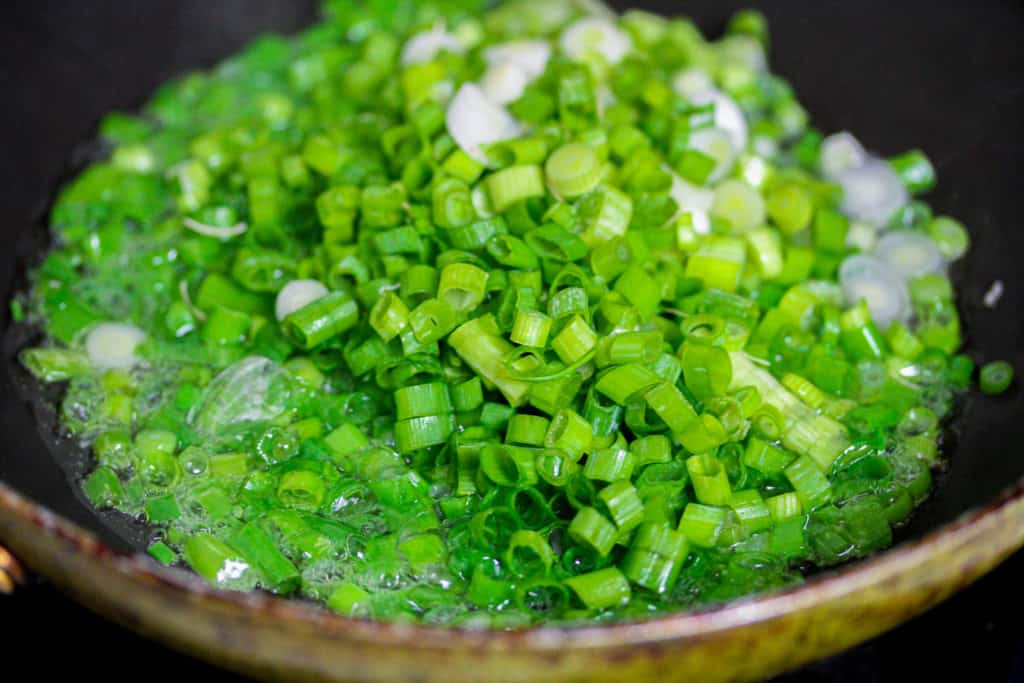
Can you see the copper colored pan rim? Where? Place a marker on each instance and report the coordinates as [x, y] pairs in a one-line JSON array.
[[905, 557]]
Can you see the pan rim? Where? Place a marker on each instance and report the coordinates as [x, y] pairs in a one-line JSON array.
[[670, 626]]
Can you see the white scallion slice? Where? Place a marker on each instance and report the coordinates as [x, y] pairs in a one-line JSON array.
[[693, 83], [474, 121], [839, 153], [112, 345], [216, 231], [717, 144], [909, 253], [504, 82], [755, 170], [423, 47], [739, 204], [529, 55], [693, 200], [297, 294], [868, 278], [596, 35], [728, 116], [862, 236], [872, 192]]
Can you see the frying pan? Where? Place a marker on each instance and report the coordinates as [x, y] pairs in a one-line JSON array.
[[945, 77]]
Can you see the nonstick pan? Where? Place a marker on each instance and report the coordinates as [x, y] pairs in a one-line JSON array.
[[946, 77]]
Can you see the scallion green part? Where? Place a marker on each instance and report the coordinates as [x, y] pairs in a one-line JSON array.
[[573, 170], [470, 336], [995, 377]]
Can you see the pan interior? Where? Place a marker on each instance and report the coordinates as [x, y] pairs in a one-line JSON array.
[[942, 78]]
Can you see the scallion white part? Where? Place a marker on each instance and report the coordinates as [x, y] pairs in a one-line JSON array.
[[862, 236], [716, 143], [111, 346], [728, 116], [424, 46], [872, 192], [215, 231], [529, 55], [692, 83], [504, 82], [909, 253], [595, 35], [700, 221], [868, 278], [740, 204], [693, 200], [755, 170], [297, 294], [474, 121], [839, 153]]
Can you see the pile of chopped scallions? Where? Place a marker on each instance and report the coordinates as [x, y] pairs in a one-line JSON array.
[[491, 317]]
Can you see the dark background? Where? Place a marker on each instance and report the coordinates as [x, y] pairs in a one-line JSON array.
[[897, 73]]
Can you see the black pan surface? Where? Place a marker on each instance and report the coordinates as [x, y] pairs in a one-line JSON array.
[[942, 76]]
